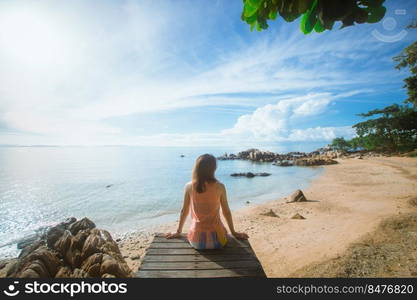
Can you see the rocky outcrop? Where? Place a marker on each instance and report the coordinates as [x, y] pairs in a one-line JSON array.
[[297, 196], [283, 163], [322, 156], [249, 174], [262, 156], [313, 161], [71, 249]]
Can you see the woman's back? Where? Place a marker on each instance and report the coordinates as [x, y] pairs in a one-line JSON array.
[[204, 197], [207, 230]]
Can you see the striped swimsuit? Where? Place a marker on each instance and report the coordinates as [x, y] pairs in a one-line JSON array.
[[207, 230]]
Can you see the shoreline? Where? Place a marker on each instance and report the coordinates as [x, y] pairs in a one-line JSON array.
[[348, 201]]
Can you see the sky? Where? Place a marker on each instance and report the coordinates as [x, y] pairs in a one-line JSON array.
[[188, 73]]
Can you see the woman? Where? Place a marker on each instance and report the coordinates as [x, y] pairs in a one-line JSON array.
[[204, 195]]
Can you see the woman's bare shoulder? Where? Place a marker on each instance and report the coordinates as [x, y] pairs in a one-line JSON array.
[[220, 185], [188, 186]]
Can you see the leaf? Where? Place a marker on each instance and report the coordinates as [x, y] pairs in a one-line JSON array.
[[303, 5], [309, 19], [289, 17], [319, 27], [251, 7], [252, 25], [251, 19], [376, 13], [273, 15]]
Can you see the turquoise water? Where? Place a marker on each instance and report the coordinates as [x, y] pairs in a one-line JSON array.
[[40, 186]]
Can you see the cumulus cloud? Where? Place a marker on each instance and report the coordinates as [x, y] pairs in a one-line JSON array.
[[279, 122]]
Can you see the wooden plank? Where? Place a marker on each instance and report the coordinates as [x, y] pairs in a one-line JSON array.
[[248, 264], [176, 251], [187, 245], [175, 258], [232, 242], [208, 257], [201, 273]]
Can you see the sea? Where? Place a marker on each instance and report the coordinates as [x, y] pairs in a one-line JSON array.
[[120, 188]]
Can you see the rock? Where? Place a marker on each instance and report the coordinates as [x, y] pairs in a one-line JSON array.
[[297, 216], [270, 213], [27, 241], [283, 163], [55, 232], [92, 264], [64, 272], [109, 186], [29, 249], [74, 249], [250, 174], [247, 202], [311, 161], [41, 263], [111, 266], [82, 224], [79, 273], [297, 196], [7, 266], [263, 174]]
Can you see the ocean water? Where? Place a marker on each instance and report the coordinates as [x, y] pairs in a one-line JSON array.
[[40, 186]]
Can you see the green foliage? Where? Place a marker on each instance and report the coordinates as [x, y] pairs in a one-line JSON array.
[[393, 129], [317, 15], [408, 58], [340, 144]]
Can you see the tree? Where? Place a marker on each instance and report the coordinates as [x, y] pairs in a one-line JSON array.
[[340, 144], [408, 58], [394, 130], [317, 15]]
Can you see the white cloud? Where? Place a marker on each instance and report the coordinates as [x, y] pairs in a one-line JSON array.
[[69, 67], [279, 122]]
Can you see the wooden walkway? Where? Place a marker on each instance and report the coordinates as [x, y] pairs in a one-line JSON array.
[[175, 258]]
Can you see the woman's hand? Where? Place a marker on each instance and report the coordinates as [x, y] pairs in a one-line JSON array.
[[240, 235], [173, 235]]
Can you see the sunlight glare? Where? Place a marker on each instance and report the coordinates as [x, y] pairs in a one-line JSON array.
[[32, 38]]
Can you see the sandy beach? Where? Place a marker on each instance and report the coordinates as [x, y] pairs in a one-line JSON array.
[[347, 202]]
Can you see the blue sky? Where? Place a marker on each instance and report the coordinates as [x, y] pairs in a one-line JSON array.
[[187, 73]]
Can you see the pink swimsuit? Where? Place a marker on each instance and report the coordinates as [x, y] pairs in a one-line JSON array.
[[207, 230]]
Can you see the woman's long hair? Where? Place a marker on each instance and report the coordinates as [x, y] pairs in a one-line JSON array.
[[203, 172]]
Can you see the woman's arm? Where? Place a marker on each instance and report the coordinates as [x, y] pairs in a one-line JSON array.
[[228, 215], [183, 215]]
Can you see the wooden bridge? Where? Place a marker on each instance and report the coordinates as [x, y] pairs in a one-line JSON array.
[[175, 258]]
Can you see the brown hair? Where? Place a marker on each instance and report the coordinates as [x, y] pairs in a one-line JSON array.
[[203, 171]]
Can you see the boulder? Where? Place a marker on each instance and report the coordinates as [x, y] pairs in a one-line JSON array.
[[297, 196], [314, 161], [7, 266], [250, 174], [82, 224], [283, 163], [27, 241], [74, 249], [297, 216], [270, 213], [41, 263]]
